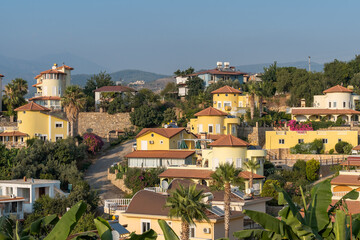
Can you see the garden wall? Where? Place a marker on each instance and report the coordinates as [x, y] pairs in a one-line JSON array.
[[119, 183], [254, 135], [102, 123]]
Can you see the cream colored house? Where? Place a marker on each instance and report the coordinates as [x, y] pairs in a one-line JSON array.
[[50, 86], [338, 102]]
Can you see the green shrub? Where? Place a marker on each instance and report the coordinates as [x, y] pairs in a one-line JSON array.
[[137, 179], [300, 166], [268, 190], [331, 151], [314, 147], [119, 175], [339, 147], [312, 170], [269, 168], [348, 149]]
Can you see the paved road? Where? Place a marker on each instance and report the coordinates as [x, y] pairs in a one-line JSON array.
[[96, 175]]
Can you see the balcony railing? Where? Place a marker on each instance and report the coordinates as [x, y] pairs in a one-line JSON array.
[[116, 204], [156, 189], [38, 94], [339, 194]]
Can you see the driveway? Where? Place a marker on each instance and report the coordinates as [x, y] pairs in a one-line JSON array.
[[96, 175]]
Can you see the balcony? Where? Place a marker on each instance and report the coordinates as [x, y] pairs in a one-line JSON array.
[[38, 94], [119, 204], [156, 189]]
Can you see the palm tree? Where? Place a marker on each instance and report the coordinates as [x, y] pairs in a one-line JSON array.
[[225, 176], [72, 102], [187, 204], [252, 93], [251, 165], [14, 95]]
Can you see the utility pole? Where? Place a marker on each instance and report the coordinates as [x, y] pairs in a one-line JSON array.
[[309, 64]]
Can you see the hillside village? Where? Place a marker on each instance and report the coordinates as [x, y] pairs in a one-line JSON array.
[[217, 153]]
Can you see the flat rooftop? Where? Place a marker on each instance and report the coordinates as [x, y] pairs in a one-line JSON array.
[[30, 181]]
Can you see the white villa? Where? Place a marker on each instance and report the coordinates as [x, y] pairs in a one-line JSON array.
[[338, 102]]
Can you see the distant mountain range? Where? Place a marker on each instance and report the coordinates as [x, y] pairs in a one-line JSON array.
[[258, 68]]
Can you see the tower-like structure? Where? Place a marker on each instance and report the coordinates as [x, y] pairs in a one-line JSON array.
[[50, 86]]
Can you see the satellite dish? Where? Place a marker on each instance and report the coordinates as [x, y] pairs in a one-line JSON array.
[[248, 191], [164, 184], [115, 235]]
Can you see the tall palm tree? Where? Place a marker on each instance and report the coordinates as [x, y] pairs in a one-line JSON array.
[[225, 176], [251, 165], [187, 204], [72, 102], [252, 93], [14, 95]]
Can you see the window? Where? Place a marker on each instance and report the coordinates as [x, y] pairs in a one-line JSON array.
[[58, 137], [234, 95], [211, 128], [217, 128], [43, 137], [344, 104], [301, 141], [192, 231], [200, 128], [239, 163], [145, 225], [329, 104], [281, 141], [219, 104], [161, 141], [218, 94], [334, 104], [339, 140], [229, 160], [240, 104], [233, 129], [58, 125], [152, 135], [226, 94], [325, 140]]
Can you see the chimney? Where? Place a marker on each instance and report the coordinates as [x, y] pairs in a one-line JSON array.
[[303, 103], [25, 178]]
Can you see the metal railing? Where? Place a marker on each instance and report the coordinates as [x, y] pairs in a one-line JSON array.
[[339, 194], [156, 189], [117, 204]]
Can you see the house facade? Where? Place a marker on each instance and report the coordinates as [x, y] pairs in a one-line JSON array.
[[288, 139], [232, 101], [50, 86], [112, 90], [337, 102], [37, 121], [214, 121]]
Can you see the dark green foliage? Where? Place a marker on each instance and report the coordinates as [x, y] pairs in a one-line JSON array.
[[300, 166], [97, 81], [195, 86], [169, 115], [340, 147], [268, 190], [312, 170], [119, 104], [269, 168], [137, 178], [315, 147], [146, 116], [331, 151], [181, 73]]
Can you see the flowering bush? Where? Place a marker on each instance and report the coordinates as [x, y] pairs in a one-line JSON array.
[[93, 142], [294, 126], [137, 179]]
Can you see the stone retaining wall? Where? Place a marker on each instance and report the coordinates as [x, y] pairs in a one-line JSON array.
[[119, 183], [102, 123]]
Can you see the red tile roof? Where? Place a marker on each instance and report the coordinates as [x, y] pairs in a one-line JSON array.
[[210, 111], [172, 154], [338, 88], [352, 180], [166, 132], [353, 206], [31, 106], [186, 173], [13, 134], [211, 136], [37, 76], [322, 111], [229, 141], [357, 147], [36, 84], [115, 89], [1, 75], [66, 67], [52, 71], [45, 98], [246, 175], [226, 89]]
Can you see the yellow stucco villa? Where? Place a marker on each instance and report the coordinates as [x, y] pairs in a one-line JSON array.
[[214, 121], [232, 101], [288, 139], [37, 122]]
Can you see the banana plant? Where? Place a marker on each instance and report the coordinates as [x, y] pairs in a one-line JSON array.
[[314, 221]]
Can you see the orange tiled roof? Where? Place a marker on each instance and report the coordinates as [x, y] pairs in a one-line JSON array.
[[357, 147], [210, 111], [226, 89], [337, 88], [353, 206], [52, 71], [166, 132], [66, 67], [45, 98], [37, 76], [246, 175], [186, 173], [37, 84], [353, 180], [31, 106], [322, 111], [229, 141], [352, 160], [13, 134], [211, 136], [173, 154]]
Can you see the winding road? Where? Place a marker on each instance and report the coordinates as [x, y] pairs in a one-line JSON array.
[[96, 175]]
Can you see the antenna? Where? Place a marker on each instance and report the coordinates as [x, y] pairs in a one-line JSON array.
[[309, 64]]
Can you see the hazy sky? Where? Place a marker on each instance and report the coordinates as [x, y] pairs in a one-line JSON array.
[[162, 36]]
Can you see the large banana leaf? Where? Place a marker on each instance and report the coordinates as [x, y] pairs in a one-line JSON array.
[[148, 235], [352, 195], [168, 232], [257, 234], [36, 226], [340, 225], [104, 229], [67, 223], [271, 224]]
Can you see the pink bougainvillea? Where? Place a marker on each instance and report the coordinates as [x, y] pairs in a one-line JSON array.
[[93, 142], [294, 126]]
